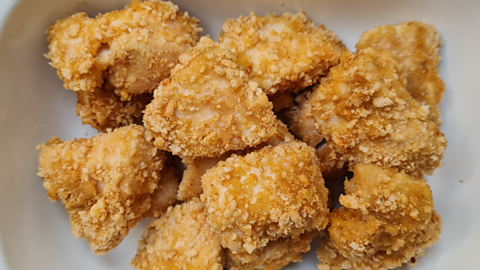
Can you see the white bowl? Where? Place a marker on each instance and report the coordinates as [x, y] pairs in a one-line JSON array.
[[35, 233]]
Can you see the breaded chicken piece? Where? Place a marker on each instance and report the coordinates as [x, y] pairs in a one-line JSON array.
[[166, 193], [275, 255], [282, 53], [416, 46], [275, 192], [208, 106], [102, 109], [180, 240], [133, 49], [387, 220], [191, 185], [367, 116], [104, 182]]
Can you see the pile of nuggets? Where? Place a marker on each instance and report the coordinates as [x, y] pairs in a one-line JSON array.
[[219, 115]]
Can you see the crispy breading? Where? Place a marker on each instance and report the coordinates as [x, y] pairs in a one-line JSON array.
[[104, 182], [282, 53], [166, 193], [102, 109], [275, 255], [133, 49], [180, 240], [275, 192], [191, 185], [387, 219], [367, 116], [208, 106], [416, 46]]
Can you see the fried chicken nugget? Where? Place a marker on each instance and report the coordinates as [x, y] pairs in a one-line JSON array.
[[208, 106], [104, 182], [103, 109], [133, 49], [387, 220], [275, 255], [191, 185], [275, 192], [367, 116], [180, 240], [282, 53], [416, 46]]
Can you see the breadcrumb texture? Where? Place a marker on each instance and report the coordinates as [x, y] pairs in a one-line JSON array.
[[275, 255], [416, 46], [387, 220], [180, 240], [166, 193], [282, 53], [104, 182], [191, 185], [367, 116], [275, 192], [133, 49], [103, 109], [209, 106]]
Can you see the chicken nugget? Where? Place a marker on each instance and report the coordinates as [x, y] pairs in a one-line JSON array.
[[275, 192], [275, 255], [416, 46], [191, 185], [367, 116], [133, 49], [104, 182], [208, 106], [102, 109], [180, 240], [282, 53], [387, 219]]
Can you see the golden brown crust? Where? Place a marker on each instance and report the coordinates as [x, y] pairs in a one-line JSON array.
[[282, 53], [367, 116], [416, 46], [275, 255], [267, 194], [104, 182], [102, 109], [191, 185], [180, 240], [133, 48], [208, 106], [387, 218]]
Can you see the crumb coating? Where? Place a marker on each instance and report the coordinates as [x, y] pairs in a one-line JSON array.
[[133, 48], [104, 182], [275, 192], [103, 109], [282, 53], [416, 46], [191, 185], [208, 106], [275, 255], [367, 116], [387, 219], [180, 240]]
